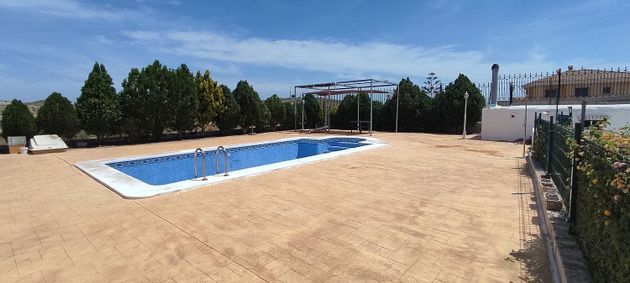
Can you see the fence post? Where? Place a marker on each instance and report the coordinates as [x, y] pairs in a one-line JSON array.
[[549, 145], [579, 128]]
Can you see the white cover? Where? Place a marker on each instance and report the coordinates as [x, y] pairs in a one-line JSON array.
[[46, 142]]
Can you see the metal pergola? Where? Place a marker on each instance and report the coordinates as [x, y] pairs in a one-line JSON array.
[[331, 92]]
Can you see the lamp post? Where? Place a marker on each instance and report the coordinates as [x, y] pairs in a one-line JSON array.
[[465, 110]]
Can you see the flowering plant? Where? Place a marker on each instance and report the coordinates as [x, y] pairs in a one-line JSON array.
[[603, 207]]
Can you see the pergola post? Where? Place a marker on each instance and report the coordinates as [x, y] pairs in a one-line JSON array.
[[397, 97], [358, 111], [370, 96], [302, 102], [295, 109]]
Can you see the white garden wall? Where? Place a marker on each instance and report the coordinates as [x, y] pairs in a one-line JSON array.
[[506, 123]]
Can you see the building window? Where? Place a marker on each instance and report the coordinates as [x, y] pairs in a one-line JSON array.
[[606, 90], [550, 92], [581, 91]]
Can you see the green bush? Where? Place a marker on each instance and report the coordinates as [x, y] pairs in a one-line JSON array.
[[603, 214], [58, 116], [17, 120]]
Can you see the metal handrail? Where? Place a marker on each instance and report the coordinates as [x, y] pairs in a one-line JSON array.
[[203, 165], [226, 164]]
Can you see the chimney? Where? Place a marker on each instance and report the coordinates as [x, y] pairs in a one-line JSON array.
[[494, 87]]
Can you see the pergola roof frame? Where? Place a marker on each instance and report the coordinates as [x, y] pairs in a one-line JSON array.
[[346, 87]]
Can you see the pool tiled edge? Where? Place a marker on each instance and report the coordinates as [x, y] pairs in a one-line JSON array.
[[130, 187]]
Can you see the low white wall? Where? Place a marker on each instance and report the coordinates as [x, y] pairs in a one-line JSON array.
[[506, 123]]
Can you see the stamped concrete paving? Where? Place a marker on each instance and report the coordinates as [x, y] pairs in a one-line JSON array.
[[426, 208]]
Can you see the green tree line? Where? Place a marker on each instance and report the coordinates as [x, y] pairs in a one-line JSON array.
[[156, 99]]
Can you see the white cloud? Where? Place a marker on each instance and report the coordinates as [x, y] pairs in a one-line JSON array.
[[65, 8], [341, 59], [312, 55]]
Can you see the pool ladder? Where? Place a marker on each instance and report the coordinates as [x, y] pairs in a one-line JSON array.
[[203, 164], [226, 163]]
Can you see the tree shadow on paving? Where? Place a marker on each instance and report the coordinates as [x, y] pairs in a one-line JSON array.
[[533, 259], [532, 255]]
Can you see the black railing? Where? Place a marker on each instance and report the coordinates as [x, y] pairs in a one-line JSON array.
[[576, 84]]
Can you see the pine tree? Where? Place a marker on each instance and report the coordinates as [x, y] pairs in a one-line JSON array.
[[98, 107], [432, 85], [57, 116]]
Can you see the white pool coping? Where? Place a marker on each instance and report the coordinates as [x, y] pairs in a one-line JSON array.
[[130, 187]]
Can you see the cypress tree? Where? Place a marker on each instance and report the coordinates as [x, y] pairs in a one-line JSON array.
[[98, 107], [211, 99], [229, 116], [183, 100]]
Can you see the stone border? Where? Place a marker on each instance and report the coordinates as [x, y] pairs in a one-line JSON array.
[[566, 261]]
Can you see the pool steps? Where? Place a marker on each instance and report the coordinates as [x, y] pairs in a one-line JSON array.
[[203, 165], [226, 160]]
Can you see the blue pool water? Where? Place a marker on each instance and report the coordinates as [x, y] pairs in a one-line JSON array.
[[174, 168]]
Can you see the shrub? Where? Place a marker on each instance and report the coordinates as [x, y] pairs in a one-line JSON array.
[[603, 211], [17, 120], [58, 116]]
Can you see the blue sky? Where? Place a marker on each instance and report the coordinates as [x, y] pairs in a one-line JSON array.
[[48, 46]]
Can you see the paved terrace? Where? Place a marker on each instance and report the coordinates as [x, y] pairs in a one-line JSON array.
[[427, 208]]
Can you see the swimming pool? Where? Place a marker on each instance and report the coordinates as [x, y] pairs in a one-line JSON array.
[[145, 176]]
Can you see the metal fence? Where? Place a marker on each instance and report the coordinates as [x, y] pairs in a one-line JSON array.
[[555, 153], [544, 87]]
